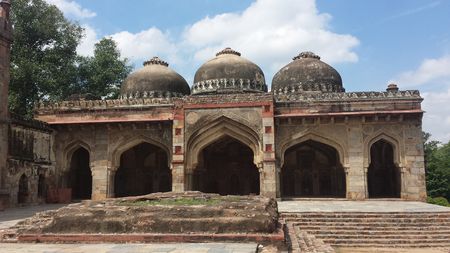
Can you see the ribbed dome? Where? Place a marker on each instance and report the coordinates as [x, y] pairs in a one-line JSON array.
[[307, 73], [155, 79], [228, 72]]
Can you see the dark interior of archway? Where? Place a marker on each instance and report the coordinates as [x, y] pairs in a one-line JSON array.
[[312, 169], [23, 193], [227, 169], [42, 187], [383, 175], [80, 175], [143, 170]]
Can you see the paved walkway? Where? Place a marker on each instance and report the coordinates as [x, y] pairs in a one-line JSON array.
[[358, 206], [130, 248]]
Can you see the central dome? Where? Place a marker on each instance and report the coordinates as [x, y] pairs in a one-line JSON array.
[[307, 74], [228, 72], [155, 79]]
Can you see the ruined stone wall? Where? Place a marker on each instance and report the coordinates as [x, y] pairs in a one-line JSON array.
[[352, 138], [30, 155]]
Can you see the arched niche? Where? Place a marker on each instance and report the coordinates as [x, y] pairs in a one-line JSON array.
[[312, 169], [80, 174], [143, 169], [227, 168], [383, 173], [220, 128]]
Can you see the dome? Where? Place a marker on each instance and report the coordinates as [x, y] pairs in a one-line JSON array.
[[228, 72], [307, 73], [155, 79]]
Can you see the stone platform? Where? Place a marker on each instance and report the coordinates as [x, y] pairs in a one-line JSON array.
[[161, 217]]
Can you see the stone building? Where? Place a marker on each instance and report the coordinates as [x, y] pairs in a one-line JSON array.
[[228, 134]]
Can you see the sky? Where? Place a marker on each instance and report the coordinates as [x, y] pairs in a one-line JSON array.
[[370, 43]]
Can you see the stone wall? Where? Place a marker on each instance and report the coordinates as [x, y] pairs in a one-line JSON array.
[[30, 155], [352, 137], [105, 144]]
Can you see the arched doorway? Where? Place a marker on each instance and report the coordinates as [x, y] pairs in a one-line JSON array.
[[383, 176], [227, 168], [23, 193], [143, 169], [42, 187], [80, 174], [312, 169]]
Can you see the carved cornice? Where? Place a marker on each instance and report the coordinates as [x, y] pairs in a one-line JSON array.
[[156, 61], [347, 96], [151, 94], [225, 85], [299, 88], [124, 103]]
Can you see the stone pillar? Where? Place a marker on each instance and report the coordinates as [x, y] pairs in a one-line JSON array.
[[5, 49], [355, 176], [412, 164], [110, 183], [178, 170], [269, 180], [100, 182], [99, 164]]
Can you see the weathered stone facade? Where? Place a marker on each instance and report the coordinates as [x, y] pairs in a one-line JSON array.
[[305, 138]]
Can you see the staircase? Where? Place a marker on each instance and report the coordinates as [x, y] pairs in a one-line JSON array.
[[375, 229]]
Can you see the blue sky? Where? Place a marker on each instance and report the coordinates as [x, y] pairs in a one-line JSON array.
[[371, 43]]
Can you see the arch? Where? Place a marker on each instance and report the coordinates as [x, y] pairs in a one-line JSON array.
[[71, 148], [128, 144], [80, 173], [312, 169], [143, 169], [380, 135], [302, 137], [383, 174], [219, 128], [227, 168], [23, 190]]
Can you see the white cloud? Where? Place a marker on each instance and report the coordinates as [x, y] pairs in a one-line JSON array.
[[437, 117], [270, 33], [72, 8], [431, 70], [86, 47], [146, 44], [432, 75]]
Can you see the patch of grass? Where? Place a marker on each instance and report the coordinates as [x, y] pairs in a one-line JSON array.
[[173, 202]]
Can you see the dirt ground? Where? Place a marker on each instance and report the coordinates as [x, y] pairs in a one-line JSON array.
[[391, 250]]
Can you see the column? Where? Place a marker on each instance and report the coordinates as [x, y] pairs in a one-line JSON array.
[[269, 179], [178, 172], [355, 176]]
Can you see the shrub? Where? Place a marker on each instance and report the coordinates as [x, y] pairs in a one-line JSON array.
[[438, 201]]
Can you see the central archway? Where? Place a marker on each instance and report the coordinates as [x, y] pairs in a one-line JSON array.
[[226, 168], [312, 169], [143, 169]]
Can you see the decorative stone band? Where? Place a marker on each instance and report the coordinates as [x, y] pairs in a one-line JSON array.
[[299, 88], [340, 96], [223, 85], [49, 107], [151, 94]]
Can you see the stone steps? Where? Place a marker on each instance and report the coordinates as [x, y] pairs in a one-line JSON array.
[[408, 229]]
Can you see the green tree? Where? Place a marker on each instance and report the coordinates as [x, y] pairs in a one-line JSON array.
[[43, 54], [437, 164], [102, 74]]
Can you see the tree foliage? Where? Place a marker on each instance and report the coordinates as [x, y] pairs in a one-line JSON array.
[[437, 164], [44, 60], [102, 74], [43, 53]]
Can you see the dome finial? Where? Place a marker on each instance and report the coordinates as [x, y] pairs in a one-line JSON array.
[[228, 50], [306, 54], [156, 61]]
